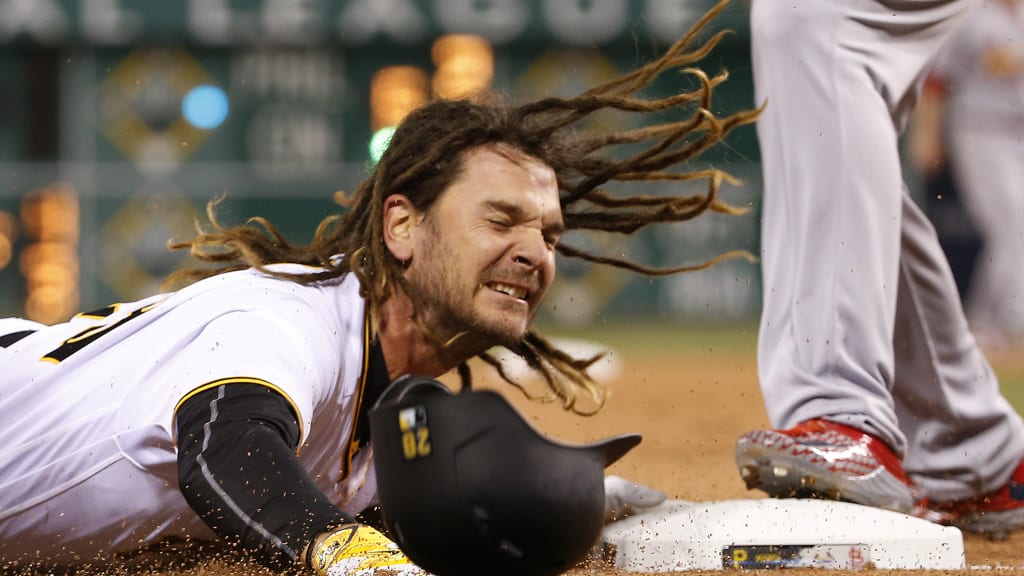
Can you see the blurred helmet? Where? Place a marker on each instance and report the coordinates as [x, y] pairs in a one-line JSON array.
[[467, 487]]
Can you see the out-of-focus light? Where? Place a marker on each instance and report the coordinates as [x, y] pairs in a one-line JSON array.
[[8, 224], [49, 264], [6, 251], [379, 142], [465, 65], [205, 107], [8, 229], [395, 91]]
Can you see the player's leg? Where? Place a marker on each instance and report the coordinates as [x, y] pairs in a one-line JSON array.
[[964, 439], [833, 195], [830, 219], [838, 78]]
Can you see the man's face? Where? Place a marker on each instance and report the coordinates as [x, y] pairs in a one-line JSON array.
[[485, 252]]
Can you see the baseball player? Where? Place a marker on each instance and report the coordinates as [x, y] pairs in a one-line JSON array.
[[972, 111], [235, 407], [878, 391]]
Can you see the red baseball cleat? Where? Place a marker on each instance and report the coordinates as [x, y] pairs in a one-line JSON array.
[[995, 514], [822, 459]]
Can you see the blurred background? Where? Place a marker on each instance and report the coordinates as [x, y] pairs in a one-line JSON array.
[[121, 119]]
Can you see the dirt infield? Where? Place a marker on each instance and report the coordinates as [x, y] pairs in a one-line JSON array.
[[690, 400], [690, 403], [690, 409]]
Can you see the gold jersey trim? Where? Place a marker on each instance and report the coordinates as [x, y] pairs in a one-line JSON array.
[[353, 442], [243, 380]]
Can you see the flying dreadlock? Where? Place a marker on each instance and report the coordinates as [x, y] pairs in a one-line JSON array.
[[426, 153]]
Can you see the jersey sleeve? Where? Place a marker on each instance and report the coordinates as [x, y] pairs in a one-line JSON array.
[[255, 348], [286, 347]]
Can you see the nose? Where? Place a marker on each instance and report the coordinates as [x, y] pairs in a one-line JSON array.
[[531, 251]]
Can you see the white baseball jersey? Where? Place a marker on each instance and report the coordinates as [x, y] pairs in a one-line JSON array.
[[981, 71], [87, 445], [861, 319]]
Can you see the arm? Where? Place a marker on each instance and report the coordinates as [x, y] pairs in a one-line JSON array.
[[237, 469]]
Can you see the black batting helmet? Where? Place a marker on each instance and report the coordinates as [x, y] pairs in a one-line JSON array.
[[467, 487]]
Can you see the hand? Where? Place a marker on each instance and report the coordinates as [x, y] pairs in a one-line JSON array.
[[359, 550], [624, 498]]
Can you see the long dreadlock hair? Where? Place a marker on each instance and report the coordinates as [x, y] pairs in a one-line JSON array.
[[426, 154]]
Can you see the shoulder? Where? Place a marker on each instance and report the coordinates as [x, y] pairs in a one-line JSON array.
[[250, 287], [250, 297]]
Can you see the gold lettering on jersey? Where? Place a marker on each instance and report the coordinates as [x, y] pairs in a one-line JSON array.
[[89, 335], [99, 314]]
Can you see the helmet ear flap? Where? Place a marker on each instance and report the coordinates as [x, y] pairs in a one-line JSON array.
[[466, 485]]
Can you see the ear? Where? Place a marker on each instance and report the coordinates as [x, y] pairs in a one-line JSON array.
[[400, 218]]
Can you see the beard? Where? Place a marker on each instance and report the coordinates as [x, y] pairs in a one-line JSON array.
[[445, 299]]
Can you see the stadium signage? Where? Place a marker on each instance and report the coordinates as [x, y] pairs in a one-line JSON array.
[[345, 22]]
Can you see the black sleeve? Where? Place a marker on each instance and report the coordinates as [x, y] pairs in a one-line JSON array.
[[238, 470]]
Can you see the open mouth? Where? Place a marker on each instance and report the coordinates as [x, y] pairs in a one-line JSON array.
[[517, 292]]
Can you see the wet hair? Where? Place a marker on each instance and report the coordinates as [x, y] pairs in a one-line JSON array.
[[427, 152]]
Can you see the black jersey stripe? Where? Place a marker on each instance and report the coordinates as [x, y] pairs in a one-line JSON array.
[[9, 339]]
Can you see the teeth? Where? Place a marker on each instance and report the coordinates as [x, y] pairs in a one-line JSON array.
[[512, 291]]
